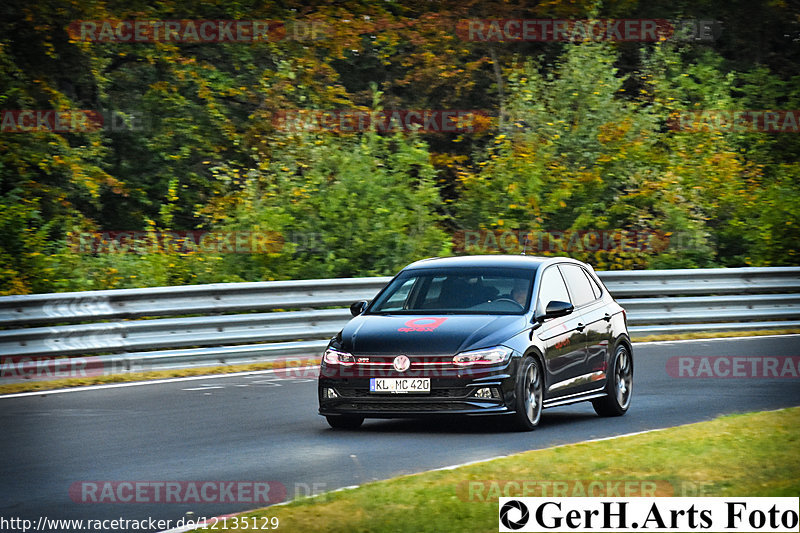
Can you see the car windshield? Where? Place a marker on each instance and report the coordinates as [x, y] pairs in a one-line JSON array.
[[457, 291]]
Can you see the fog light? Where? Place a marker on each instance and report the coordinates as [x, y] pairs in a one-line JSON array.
[[329, 393], [485, 392]]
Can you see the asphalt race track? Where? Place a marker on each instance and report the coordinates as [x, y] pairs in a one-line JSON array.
[[264, 428]]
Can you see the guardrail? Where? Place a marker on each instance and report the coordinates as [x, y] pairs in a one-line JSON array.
[[122, 328]]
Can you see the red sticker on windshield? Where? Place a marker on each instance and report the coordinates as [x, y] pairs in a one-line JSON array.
[[422, 324]]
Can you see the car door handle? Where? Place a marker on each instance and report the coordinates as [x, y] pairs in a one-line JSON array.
[[580, 326], [607, 317]]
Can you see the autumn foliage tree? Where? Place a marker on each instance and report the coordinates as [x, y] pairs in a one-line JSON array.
[[575, 136]]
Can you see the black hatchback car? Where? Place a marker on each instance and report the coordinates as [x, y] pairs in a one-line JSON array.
[[480, 335]]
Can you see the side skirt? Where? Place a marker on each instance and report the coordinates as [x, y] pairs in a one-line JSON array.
[[574, 398]]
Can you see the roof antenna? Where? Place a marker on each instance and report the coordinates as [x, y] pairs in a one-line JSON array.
[[524, 244]]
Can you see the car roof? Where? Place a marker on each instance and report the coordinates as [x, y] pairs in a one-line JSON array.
[[508, 261]]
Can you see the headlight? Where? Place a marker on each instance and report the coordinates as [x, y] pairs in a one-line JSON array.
[[335, 357], [487, 356]]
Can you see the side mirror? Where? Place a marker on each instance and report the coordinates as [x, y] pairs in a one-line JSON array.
[[556, 309], [358, 307]]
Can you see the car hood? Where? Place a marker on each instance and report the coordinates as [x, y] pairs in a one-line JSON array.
[[427, 334]]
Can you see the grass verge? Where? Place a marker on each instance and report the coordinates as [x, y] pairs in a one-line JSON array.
[[752, 454], [45, 385]]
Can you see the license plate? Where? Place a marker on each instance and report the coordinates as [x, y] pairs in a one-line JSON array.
[[399, 385]]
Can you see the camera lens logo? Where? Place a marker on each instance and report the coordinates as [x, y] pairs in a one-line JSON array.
[[522, 509]]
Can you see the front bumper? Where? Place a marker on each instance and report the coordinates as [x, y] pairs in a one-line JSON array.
[[453, 392]]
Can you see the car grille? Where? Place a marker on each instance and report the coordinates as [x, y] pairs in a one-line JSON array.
[[417, 363]]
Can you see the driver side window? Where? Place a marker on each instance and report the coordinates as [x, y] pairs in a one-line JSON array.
[[552, 288]]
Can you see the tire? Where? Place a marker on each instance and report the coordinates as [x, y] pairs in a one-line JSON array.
[[345, 421], [529, 395], [619, 385]]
